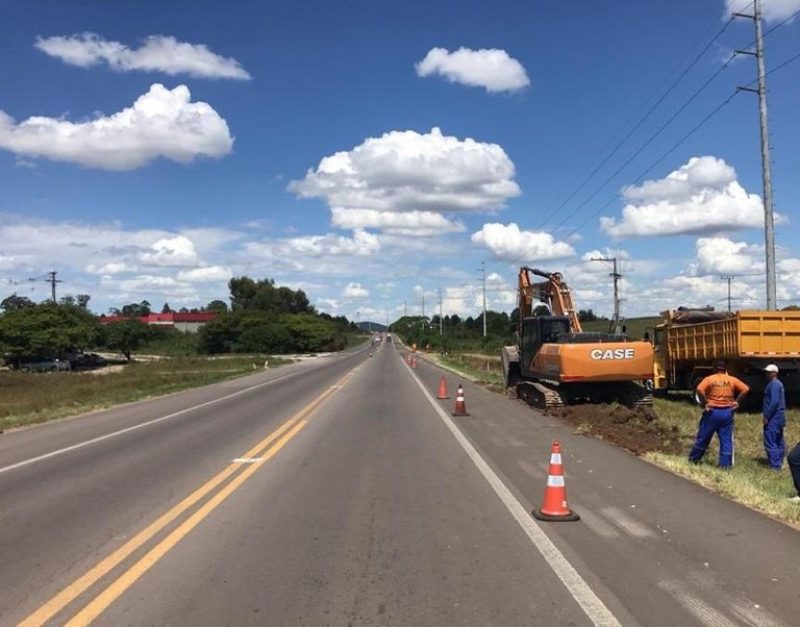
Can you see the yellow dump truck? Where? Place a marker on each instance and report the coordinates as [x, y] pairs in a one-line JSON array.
[[689, 341]]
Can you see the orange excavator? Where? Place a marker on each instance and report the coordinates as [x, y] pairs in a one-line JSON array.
[[556, 363]]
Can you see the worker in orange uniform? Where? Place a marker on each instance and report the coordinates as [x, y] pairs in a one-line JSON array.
[[721, 394]]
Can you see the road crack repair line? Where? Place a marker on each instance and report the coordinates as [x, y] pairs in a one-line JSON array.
[[265, 450], [584, 596]]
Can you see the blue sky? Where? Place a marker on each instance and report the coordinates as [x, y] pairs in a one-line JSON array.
[[371, 153]]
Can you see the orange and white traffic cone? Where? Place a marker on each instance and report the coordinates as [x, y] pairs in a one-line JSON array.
[[555, 506], [461, 405], [442, 389]]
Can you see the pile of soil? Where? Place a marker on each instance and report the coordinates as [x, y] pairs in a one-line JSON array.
[[636, 429]]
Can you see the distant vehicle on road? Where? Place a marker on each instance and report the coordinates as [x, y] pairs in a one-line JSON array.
[[46, 365]]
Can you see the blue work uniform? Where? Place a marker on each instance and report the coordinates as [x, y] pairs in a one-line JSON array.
[[719, 390], [775, 420]]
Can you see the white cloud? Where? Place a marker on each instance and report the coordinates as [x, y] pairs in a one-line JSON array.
[[491, 69], [362, 244], [773, 10], [723, 256], [175, 251], [205, 274], [161, 123], [158, 53], [110, 267], [414, 223], [702, 196], [510, 243], [354, 291], [409, 172]]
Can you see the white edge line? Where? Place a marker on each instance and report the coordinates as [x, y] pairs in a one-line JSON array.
[[590, 603], [114, 434]]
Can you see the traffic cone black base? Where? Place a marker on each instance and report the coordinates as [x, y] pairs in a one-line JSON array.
[[570, 516]]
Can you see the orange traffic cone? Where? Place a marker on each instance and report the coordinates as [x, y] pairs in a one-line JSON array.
[[442, 389], [461, 405], [555, 506]]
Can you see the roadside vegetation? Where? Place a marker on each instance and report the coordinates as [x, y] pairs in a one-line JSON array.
[[263, 319], [29, 399], [665, 436]]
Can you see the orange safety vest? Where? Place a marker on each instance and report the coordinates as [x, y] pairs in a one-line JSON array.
[[721, 389]]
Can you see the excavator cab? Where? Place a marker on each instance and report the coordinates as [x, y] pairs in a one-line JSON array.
[[538, 330]]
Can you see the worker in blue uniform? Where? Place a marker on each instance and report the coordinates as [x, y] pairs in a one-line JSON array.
[[774, 418], [721, 394]]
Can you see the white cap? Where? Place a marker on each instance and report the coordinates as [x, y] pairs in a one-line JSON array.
[[771, 368]]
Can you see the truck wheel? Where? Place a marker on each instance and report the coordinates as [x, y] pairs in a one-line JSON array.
[[695, 395]]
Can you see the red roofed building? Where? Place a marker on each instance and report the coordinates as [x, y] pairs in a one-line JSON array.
[[186, 322]]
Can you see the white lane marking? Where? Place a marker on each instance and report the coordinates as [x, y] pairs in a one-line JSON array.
[[590, 603], [755, 614], [598, 525], [114, 434], [626, 523], [248, 460], [701, 610]]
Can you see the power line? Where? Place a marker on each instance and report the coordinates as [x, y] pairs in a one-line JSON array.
[[649, 141], [641, 121], [657, 161]]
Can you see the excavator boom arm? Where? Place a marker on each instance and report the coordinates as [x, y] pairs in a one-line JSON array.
[[554, 292]]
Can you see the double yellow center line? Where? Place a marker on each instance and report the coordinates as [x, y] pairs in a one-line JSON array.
[[263, 451]]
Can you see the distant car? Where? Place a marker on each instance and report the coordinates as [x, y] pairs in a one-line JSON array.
[[46, 365]]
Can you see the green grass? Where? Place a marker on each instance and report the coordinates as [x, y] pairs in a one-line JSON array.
[[636, 327], [33, 398], [750, 481]]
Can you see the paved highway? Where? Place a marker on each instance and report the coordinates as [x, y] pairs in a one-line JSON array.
[[339, 492]]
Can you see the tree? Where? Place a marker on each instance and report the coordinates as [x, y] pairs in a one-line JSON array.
[[165, 309], [248, 294], [136, 310], [46, 330], [16, 302], [586, 315], [67, 300], [83, 300], [126, 336]]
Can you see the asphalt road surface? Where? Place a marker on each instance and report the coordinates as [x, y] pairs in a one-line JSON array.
[[338, 491]]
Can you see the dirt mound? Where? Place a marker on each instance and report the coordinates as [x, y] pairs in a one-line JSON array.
[[637, 429]]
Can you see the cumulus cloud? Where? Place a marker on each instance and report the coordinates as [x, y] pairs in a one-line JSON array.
[[409, 172], [720, 255], [701, 197], [773, 10], [416, 223], [205, 274], [161, 123], [354, 291], [158, 53], [362, 244], [492, 69], [510, 243], [175, 251]]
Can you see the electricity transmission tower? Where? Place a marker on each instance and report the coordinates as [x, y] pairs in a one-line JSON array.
[[766, 172]]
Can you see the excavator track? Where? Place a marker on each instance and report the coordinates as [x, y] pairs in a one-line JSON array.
[[538, 395], [636, 396]]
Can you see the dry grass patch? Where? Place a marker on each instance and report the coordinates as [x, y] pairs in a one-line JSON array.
[[32, 398]]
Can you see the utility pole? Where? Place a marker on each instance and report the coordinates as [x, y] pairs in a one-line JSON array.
[[483, 272], [405, 309], [616, 276], [423, 304], [766, 173], [728, 278], [441, 327]]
